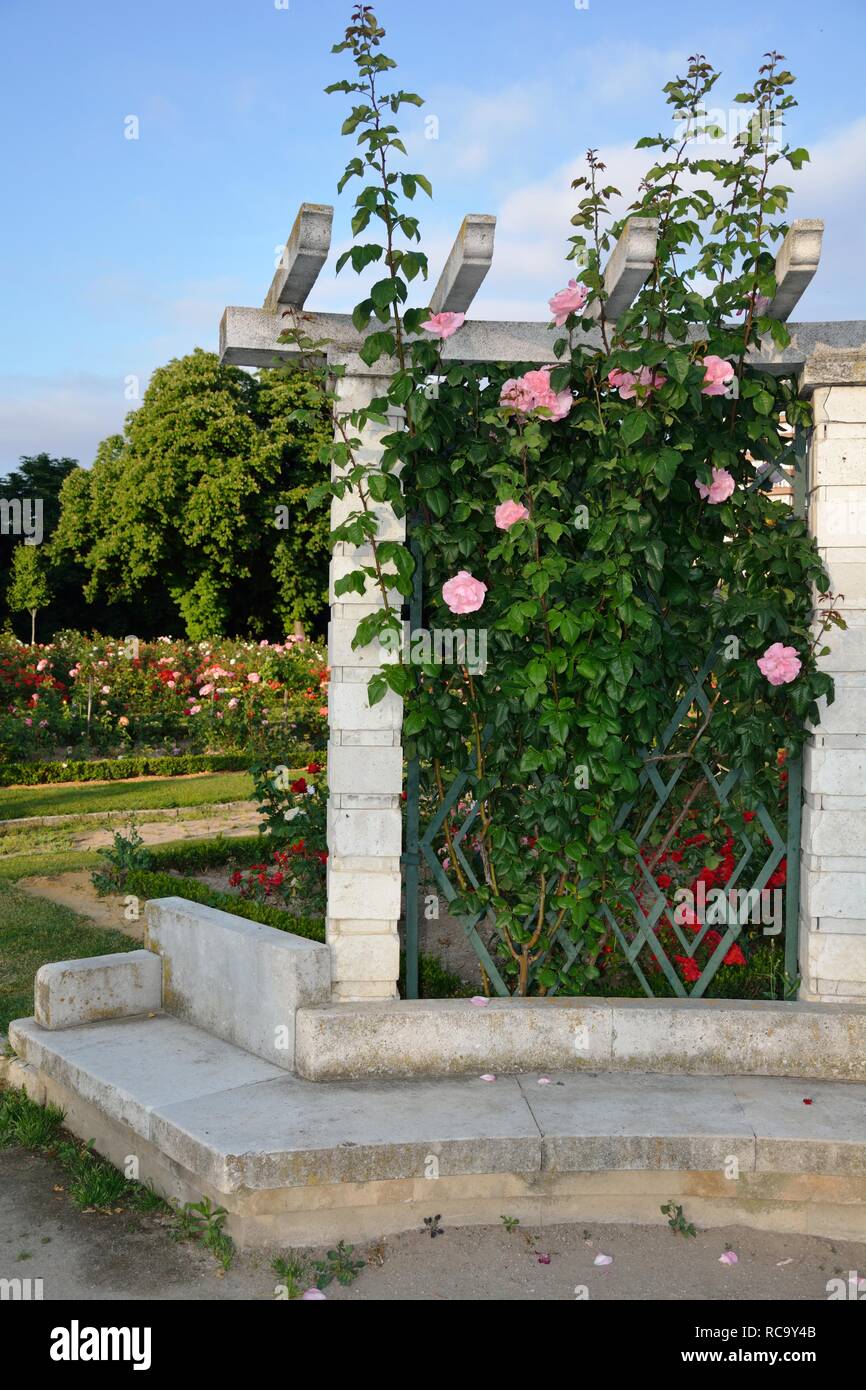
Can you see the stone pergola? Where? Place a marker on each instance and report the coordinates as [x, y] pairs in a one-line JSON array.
[[365, 758]]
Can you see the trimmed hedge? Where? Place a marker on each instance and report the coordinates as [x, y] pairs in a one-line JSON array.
[[191, 855], [147, 883], [120, 769]]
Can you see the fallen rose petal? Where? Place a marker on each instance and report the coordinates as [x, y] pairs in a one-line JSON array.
[[603, 1260], [544, 1259], [487, 1077], [807, 1102], [729, 1258], [479, 1000], [544, 1081], [312, 1294]]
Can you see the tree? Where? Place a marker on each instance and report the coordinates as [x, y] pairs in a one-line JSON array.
[[196, 512], [28, 590], [39, 477]]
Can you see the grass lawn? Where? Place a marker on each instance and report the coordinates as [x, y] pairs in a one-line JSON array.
[[33, 931], [136, 795]]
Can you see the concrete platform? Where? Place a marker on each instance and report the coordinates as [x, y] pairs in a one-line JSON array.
[[296, 1162]]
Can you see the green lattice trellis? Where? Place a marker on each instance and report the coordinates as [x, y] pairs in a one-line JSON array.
[[636, 933]]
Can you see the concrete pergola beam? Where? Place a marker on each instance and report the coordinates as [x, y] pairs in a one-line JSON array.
[[796, 263], [467, 264], [303, 257], [629, 265], [248, 338]]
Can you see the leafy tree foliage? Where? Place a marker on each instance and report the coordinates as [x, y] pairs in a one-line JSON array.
[[196, 515], [28, 587]]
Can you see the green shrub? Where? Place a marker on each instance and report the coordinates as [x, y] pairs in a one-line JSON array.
[[120, 769], [149, 884], [189, 856]]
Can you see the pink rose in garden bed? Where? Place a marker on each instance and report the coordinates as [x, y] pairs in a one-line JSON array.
[[627, 383], [779, 664], [443, 325], [568, 301], [464, 593], [507, 513], [720, 488], [533, 391], [718, 375]]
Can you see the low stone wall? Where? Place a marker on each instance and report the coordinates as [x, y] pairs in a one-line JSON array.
[[445, 1037], [236, 979]]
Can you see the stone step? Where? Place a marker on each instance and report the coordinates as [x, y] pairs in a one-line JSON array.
[[306, 1161]]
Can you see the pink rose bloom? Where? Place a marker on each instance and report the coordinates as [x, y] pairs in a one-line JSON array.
[[170, 685], [532, 391], [517, 394], [568, 301], [29, 723], [626, 383], [105, 690], [206, 689], [718, 375], [443, 325], [195, 709], [719, 489], [123, 721], [40, 665], [253, 677], [507, 513], [463, 594], [233, 704], [779, 664]]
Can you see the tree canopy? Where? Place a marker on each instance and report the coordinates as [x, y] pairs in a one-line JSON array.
[[196, 514]]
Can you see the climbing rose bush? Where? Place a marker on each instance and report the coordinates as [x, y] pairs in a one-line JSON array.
[[605, 518]]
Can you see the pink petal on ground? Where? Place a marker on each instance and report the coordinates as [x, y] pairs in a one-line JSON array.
[[544, 1259], [729, 1258], [487, 1077], [544, 1081], [603, 1260], [479, 1000], [313, 1295]]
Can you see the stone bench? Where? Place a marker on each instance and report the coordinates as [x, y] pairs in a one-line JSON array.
[[297, 1162]]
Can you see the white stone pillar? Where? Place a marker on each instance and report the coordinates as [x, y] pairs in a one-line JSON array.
[[833, 870], [365, 756]]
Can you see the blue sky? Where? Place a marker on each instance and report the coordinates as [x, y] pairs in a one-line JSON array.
[[120, 254]]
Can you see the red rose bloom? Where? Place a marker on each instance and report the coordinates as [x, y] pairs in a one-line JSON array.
[[735, 957], [691, 969], [299, 786]]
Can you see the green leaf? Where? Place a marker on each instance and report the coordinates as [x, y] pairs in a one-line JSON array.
[[634, 425]]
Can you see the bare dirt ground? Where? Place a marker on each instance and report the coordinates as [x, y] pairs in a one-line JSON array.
[[235, 822], [75, 890], [123, 1255]]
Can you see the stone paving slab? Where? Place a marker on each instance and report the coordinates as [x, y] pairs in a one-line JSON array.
[[618, 1120], [291, 1132], [128, 1067], [792, 1135]]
